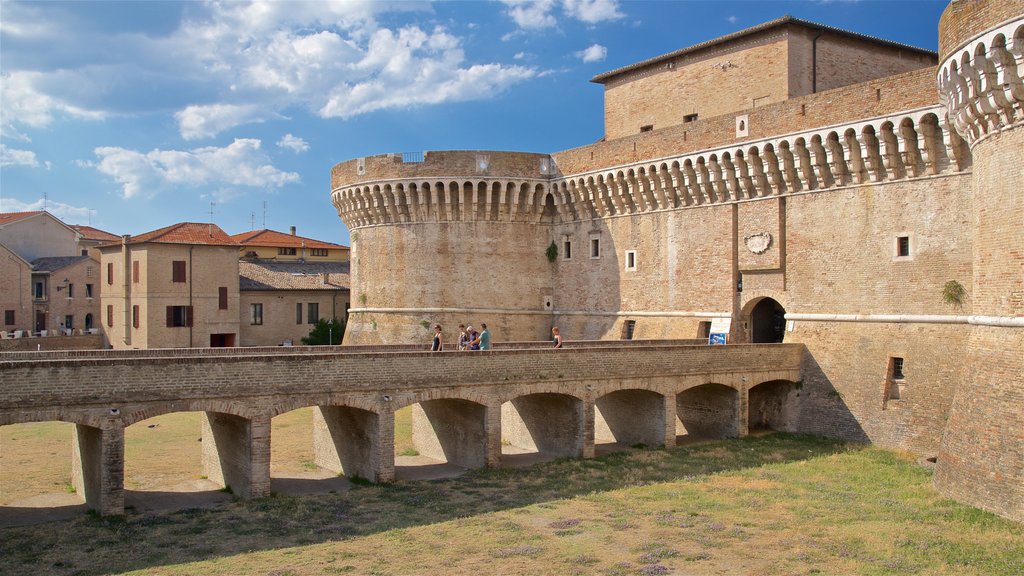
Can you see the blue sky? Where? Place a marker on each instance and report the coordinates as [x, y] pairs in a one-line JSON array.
[[131, 116]]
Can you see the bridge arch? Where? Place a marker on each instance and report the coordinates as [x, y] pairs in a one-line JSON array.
[[772, 405], [629, 417], [709, 410], [548, 423]]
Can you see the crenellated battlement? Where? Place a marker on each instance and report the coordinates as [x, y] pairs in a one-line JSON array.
[[907, 145], [980, 82]]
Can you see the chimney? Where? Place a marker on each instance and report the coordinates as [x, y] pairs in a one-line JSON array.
[[292, 230], [326, 278]]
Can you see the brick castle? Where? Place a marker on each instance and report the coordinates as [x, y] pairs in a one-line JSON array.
[[797, 182]]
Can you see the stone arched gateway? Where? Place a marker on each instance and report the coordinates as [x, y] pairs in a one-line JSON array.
[[764, 318]]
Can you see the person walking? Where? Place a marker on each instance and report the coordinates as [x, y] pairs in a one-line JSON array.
[[438, 343], [474, 340], [463, 338], [483, 340], [557, 336]]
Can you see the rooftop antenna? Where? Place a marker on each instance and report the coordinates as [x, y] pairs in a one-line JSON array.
[[264, 214], [252, 221], [45, 198], [212, 204]]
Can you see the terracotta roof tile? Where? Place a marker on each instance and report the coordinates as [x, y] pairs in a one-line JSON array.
[[8, 217], [280, 239], [90, 233], [293, 275], [186, 233]]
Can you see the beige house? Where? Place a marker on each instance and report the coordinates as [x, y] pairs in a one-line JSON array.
[[175, 287], [15, 293], [281, 301], [274, 245], [65, 295], [37, 234], [89, 238]]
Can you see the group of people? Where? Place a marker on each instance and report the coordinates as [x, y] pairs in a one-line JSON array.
[[470, 339]]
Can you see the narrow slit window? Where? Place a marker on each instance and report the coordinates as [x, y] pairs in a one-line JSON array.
[[631, 260], [567, 249], [595, 247], [902, 246], [690, 118]]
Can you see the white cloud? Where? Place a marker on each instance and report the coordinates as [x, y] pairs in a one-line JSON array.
[[229, 63], [538, 14], [732, 19], [592, 11], [531, 14], [240, 163], [594, 53], [207, 121], [413, 67], [519, 56], [66, 212], [293, 143], [14, 157]]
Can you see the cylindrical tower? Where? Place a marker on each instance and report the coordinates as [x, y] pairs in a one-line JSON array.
[[982, 61], [448, 237]]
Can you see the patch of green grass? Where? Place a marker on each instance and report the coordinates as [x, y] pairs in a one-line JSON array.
[[772, 504]]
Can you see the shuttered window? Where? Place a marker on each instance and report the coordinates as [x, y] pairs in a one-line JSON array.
[[179, 316], [222, 298], [178, 271], [135, 272], [135, 316], [110, 273], [110, 315]]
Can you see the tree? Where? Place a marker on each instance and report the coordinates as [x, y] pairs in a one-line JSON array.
[[325, 332]]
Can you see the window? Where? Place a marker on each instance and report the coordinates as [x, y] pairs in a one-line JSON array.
[[135, 316], [704, 330], [110, 273], [71, 290], [85, 252], [110, 315], [179, 316], [9, 317], [88, 271], [630, 260], [627, 329], [222, 298], [178, 271], [69, 322], [897, 368], [595, 248], [318, 252], [902, 246], [88, 290], [256, 314], [286, 251], [647, 128], [39, 290], [567, 249], [135, 272], [298, 312], [312, 313], [690, 118]]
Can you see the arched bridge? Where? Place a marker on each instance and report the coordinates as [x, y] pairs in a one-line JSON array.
[[466, 404]]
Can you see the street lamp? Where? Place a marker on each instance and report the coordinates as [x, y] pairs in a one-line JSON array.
[[330, 332]]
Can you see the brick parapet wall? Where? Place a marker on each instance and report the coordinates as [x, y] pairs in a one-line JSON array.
[[69, 383], [67, 343], [865, 100], [438, 164]]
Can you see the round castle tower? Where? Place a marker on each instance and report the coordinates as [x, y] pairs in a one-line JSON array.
[[447, 237], [979, 78]]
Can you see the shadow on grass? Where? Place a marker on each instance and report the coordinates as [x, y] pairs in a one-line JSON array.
[[93, 545]]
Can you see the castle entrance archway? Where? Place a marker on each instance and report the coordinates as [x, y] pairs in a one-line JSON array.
[[767, 322]]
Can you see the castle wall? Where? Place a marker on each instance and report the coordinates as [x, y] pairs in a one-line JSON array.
[[872, 99], [661, 97], [407, 278]]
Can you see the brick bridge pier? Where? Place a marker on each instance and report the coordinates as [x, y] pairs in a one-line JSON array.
[[556, 402]]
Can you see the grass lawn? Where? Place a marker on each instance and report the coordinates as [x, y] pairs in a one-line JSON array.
[[778, 504]]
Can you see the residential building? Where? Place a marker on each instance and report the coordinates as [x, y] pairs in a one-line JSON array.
[[65, 295], [175, 287], [37, 234], [281, 301], [89, 238], [274, 245], [15, 292]]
